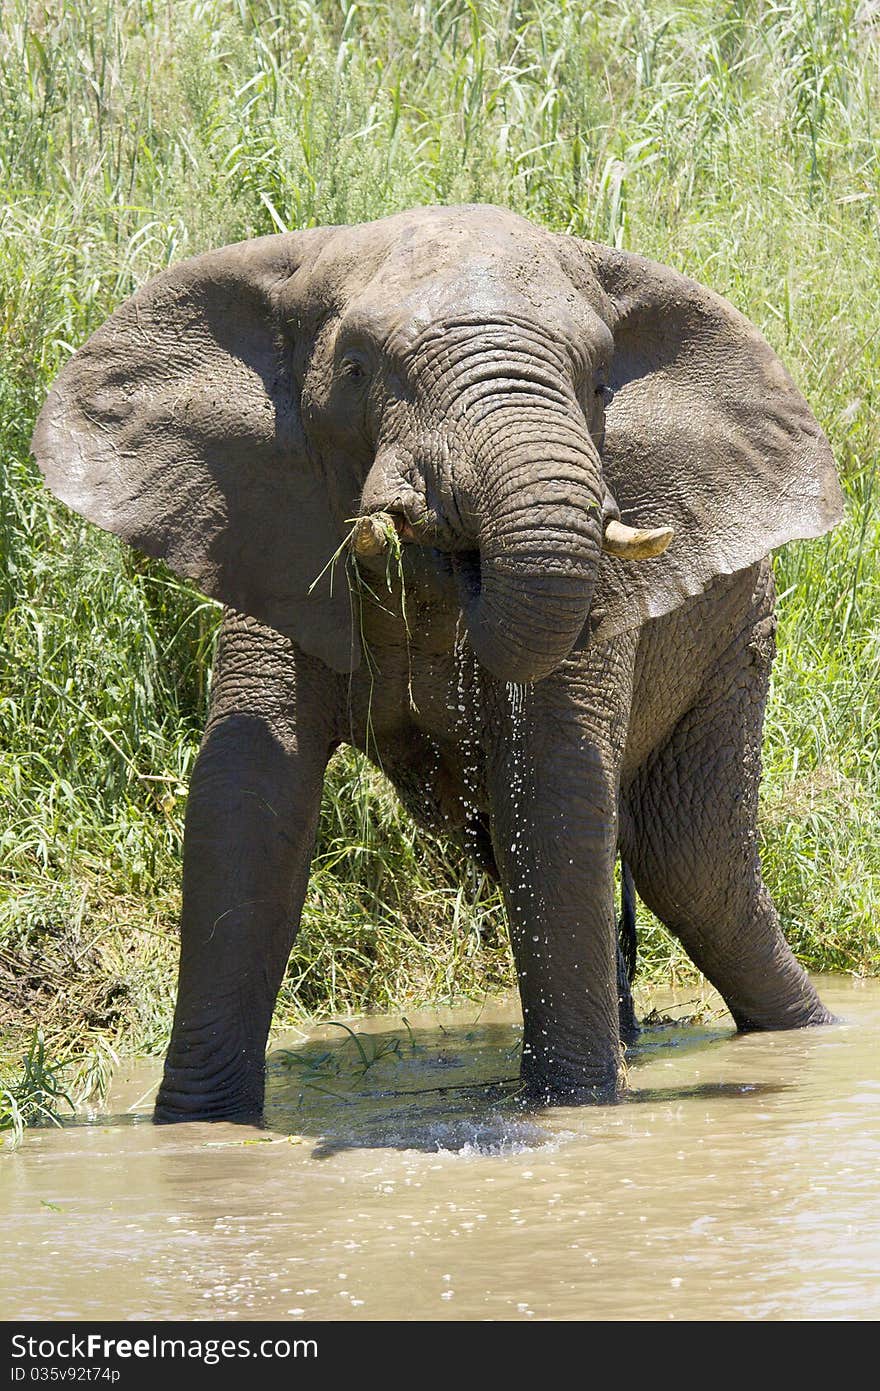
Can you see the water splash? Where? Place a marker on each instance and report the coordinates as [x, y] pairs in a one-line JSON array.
[[528, 909], [523, 878], [467, 714], [516, 700], [495, 1135]]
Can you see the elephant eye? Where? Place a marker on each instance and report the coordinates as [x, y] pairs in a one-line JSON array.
[[353, 367], [604, 394]]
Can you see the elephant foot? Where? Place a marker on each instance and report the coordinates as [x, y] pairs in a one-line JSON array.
[[805, 1015], [181, 1098], [567, 1085], [234, 1114]]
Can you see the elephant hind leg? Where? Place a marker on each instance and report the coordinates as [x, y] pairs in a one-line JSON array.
[[689, 833], [626, 956]]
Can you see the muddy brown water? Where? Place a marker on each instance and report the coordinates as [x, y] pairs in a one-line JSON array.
[[398, 1179]]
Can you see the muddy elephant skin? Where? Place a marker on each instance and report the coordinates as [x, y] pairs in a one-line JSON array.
[[507, 411]]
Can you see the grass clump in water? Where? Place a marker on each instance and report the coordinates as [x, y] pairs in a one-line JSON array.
[[38, 1094]]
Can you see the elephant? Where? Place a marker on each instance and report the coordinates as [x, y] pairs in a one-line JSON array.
[[494, 505]]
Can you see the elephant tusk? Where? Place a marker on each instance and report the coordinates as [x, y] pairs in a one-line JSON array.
[[372, 533], [630, 543]]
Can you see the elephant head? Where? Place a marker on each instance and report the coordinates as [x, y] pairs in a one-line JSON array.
[[450, 367]]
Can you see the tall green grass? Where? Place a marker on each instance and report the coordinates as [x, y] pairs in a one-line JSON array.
[[735, 140]]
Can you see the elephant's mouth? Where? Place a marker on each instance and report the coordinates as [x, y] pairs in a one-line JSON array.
[[408, 519], [416, 522], [405, 525], [373, 532], [468, 576]]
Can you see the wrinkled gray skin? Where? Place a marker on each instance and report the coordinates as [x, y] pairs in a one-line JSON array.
[[552, 704]]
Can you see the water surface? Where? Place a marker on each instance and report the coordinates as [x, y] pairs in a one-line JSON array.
[[399, 1178]]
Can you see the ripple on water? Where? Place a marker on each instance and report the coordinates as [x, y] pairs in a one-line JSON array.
[[490, 1135], [740, 1182]]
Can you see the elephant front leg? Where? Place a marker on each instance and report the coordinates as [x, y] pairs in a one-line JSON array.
[[250, 829], [553, 792]]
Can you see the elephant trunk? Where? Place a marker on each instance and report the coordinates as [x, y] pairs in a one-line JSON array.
[[539, 538]]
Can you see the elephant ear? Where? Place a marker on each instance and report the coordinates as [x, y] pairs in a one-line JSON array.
[[177, 427], [706, 432]]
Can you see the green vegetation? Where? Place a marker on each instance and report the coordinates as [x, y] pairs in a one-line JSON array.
[[737, 140], [48, 1088], [36, 1095]]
